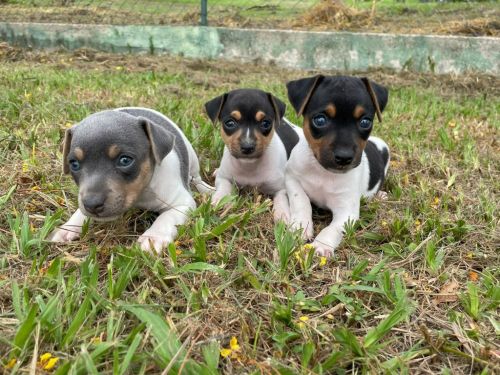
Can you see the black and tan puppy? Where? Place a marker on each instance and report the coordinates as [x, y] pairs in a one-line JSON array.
[[258, 143], [336, 162]]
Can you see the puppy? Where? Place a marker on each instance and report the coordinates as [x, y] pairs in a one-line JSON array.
[[130, 157], [336, 162], [254, 155]]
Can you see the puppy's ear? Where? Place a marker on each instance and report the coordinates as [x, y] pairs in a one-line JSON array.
[[301, 90], [278, 106], [161, 141], [68, 135], [378, 94], [214, 107]]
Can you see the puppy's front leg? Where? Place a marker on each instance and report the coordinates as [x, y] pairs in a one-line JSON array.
[[300, 207], [281, 207], [164, 229], [69, 231], [223, 187], [331, 236]]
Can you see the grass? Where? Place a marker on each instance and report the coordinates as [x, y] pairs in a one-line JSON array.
[[410, 16], [414, 287]]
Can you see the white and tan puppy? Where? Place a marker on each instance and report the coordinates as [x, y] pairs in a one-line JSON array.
[[336, 162], [258, 143], [130, 157]]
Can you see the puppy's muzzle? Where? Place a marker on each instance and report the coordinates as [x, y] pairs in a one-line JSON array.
[[247, 148], [94, 203], [343, 157]]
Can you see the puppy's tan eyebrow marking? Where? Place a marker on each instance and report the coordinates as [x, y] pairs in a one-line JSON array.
[[331, 110], [236, 115], [259, 116], [358, 111], [79, 154], [113, 151]]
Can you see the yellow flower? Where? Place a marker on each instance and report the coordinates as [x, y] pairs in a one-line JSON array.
[[45, 357], [68, 124], [51, 363], [47, 361], [11, 364], [233, 349], [234, 344], [322, 261], [452, 123], [119, 68], [95, 340], [308, 247], [304, 318], [27, 95], [225, 352], [25, 167], [435, 202], [384, 224], [417, 224]]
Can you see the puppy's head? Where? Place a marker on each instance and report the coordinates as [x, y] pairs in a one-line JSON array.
[[338, 116], [111, 156], [248, 119]]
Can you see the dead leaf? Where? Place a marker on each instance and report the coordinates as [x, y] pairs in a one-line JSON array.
[[473, 276], [448, 293]]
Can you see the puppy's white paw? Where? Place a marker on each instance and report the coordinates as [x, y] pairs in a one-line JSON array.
[[381, 195], [305, 225], [280, 214], [64, 235], [323, 249], [152, 241]]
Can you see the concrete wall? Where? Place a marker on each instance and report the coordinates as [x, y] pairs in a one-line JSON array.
[[340, 51]]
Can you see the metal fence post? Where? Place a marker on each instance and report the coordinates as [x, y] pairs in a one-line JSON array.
[[204, 13]]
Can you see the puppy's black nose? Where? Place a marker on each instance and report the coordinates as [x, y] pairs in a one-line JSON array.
[[94, 204], [247, 149], [344, 157]]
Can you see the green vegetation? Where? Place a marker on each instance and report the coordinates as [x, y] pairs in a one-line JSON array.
[[414, 286]]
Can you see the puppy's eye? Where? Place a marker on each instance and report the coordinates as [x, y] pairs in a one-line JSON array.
[[74, 165], [125, 161], [230, 124], [266, 125], [319, 121], [365, 123]]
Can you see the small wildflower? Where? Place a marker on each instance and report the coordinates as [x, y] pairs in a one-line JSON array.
[[9, 365], [119, 68], [233, 349], [470, 255], [234, 344], [322, 261], [35, 188], [304, 318], [27, 95], [68, 124], [51, 363], [301, 325], [47, 361], [435, 202], [95, 340], [307, 247], [452, 123], [384, 224], [418, 224], [25, 167]]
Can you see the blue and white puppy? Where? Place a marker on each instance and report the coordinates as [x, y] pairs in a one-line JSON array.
[[336, 162], [130, 157], [258, 143]]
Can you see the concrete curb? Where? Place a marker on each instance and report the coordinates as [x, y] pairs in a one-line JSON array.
[[341, 51]]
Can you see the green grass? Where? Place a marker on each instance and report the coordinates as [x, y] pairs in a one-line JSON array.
[[413, 287]]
